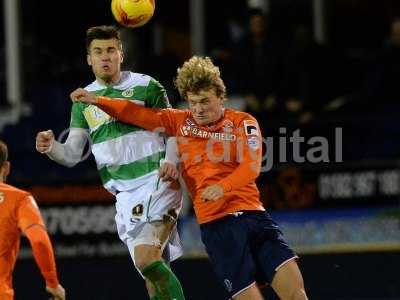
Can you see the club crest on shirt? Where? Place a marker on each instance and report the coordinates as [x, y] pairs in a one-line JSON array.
[[2, 197], [127, 93], [228, 125], [137, 210]]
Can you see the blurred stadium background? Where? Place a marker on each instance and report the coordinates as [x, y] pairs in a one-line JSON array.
[[329, 68]]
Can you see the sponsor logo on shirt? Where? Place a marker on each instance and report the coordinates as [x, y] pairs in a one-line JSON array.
[[194, 131], [95, 116], [137, 210], [2, 197]]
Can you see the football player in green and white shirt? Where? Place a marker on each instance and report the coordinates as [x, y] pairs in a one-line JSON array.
[[128, 159]]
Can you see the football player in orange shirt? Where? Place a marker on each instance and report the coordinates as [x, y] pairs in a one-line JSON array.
[[220, 152], [19, 213]]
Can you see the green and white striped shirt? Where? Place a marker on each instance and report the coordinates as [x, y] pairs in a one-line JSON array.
[[125, 155]]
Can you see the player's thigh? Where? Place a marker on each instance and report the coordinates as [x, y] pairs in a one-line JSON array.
[[288, 281], [226, 243], [269, 249], [150, 242]]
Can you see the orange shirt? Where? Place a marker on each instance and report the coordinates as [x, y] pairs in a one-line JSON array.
[[227, 153], [18, 211]]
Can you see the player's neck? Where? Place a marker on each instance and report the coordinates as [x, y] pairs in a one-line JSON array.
[[110, 81], [217, 119]]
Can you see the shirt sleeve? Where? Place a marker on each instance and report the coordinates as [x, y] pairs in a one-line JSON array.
[[69, 153], [28, 213], [77, 118], [171, 151], [163, 120], [249, 154], [156, 95], [43, 254]]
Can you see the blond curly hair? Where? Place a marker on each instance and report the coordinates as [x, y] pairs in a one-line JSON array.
[[198, 74]]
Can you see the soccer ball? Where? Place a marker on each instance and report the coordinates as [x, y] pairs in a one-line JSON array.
[[133, 13]]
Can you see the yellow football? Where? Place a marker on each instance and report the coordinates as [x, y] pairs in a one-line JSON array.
[[133, 13]]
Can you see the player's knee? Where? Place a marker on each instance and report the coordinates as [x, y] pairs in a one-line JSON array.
[[145, 256], [301, 295], [150, 287], [298, 294], [295, 291]]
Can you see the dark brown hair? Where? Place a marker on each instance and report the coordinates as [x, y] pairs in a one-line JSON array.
[[103, 32]]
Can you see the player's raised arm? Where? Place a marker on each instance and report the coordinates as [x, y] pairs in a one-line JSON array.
[[129, 112], [68, 153]]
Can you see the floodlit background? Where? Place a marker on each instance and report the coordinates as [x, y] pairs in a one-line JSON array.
[[323, 71]]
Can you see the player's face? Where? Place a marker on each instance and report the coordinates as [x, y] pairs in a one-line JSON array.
[[105, 57], [205, 106]]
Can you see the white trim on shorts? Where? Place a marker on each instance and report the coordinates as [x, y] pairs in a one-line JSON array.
[[285, 262], [243, 289]]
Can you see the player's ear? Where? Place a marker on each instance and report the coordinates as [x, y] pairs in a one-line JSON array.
[[122, 57], [89, 59], [5, 169]]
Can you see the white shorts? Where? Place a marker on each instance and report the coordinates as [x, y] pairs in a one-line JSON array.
[[136, 209]]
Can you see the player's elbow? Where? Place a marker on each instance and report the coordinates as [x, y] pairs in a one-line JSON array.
[[39, 243], [37, 236], [255, 169], [70, 164]]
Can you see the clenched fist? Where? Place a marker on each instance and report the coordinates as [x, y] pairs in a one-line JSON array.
[[82, 95], [58, 293], [168, 171], [212, 192], [44, 141]]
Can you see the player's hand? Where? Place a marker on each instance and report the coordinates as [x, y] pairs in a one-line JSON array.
[[82, 95], [44, 141], [58, 293], [168, 171], [212, 192]]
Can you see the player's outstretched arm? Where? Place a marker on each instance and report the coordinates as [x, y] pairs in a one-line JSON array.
[[44, 257], [67, 154], [128, 112]]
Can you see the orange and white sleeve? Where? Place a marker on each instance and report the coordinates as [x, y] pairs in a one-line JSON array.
[[31, 223], [162, 120], [249, 154]]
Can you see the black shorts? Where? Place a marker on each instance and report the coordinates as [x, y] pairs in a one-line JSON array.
[[244, 248]]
